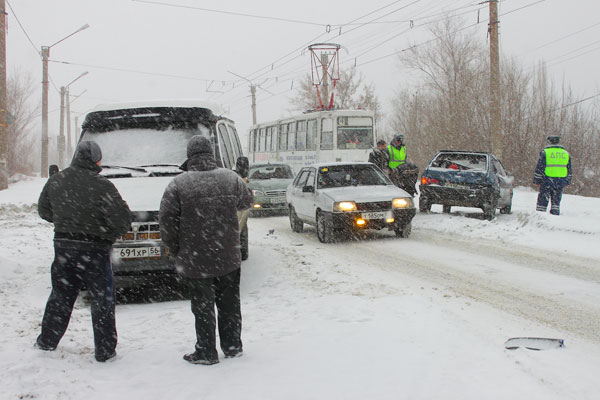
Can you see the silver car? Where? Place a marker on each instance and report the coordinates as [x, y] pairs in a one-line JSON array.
[[344, 197]]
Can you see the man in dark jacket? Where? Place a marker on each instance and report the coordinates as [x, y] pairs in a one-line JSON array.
[[552, 173], [379, 156], [88, 214], [199, 224]]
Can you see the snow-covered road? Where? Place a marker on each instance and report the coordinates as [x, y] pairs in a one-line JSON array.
[[376, 318], [553, 288]]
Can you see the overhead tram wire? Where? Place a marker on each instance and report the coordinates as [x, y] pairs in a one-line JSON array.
[[140, 72], [344, 33], [374, 20], [23, 28], [303, 47], [371, 48], [562, 38], [231, 13], [434, 39]]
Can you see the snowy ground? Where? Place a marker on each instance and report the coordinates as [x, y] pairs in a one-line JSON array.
[[379, 318]]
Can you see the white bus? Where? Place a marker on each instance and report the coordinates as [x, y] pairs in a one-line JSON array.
[[144, 146], [320, 136]]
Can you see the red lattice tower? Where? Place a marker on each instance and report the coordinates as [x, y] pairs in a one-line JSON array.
[[324, 62]]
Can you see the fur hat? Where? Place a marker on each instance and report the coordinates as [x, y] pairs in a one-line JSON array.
[[553, 139], [199, 145], [88, 150]]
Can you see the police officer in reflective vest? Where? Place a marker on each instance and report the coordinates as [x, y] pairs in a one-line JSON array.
[[396, 152], [402, 173], [552, 173]]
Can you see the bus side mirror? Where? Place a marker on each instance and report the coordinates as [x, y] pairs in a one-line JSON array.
[[242, 166]]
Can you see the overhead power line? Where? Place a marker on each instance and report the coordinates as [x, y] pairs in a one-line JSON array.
[[191, 78], [22, 28], [231, 13]]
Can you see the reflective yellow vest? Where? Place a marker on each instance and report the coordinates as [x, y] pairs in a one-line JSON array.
[[557, 160], [397, 157]]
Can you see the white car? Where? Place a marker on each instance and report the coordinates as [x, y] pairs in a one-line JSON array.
[[343, 197]]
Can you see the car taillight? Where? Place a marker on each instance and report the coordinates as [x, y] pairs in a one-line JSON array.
[[428, 181]]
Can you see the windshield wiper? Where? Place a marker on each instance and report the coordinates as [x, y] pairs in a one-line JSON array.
[[161, 165], [119, 166]]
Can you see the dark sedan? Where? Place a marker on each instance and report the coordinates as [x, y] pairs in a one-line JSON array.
[[466, 179]]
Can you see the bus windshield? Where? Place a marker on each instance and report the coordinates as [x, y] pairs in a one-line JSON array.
[[136, 147]]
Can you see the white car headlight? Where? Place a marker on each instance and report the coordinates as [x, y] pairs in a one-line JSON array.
[[402, 202], [343, 206], [258, 193]]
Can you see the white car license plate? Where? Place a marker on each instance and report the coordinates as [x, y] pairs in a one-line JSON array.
[[138, 252], [277, 200], [376, 215]]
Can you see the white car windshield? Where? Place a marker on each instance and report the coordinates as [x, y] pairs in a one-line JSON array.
[[350, 175]]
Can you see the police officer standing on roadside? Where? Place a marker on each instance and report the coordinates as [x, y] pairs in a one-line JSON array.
[[552, 173], [396, 152]]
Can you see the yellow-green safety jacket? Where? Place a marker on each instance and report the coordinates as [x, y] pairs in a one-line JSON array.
[[557, 160], [397, 157]]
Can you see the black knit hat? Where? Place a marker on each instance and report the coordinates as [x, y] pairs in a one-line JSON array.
[[88, 150], [199, 145]]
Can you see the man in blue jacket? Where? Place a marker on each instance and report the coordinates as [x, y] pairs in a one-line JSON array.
[[552, 173]]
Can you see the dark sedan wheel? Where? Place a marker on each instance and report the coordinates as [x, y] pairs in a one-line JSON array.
[[295, 223], [403, 231], [324, 229], [489, 209], [424, 204], [506, 209]]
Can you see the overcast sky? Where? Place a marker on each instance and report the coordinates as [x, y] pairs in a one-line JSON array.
[[137, 50]]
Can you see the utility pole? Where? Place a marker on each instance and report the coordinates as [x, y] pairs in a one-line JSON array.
[[253, 94], [3, 101], [495, 114], [69, 148], [45, 56], [61, 133]]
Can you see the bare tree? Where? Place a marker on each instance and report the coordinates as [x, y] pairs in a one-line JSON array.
[[22, 144], [350, 93], [448, 108]]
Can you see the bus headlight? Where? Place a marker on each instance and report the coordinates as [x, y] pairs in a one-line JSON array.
[[344, 206], [402, 202]]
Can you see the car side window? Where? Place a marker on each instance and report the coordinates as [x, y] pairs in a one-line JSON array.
[[302, 176], [499, 169], [310, 181]]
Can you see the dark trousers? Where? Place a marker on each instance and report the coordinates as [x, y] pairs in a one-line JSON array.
[[550, 190], [224, 292], [76, 263]]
